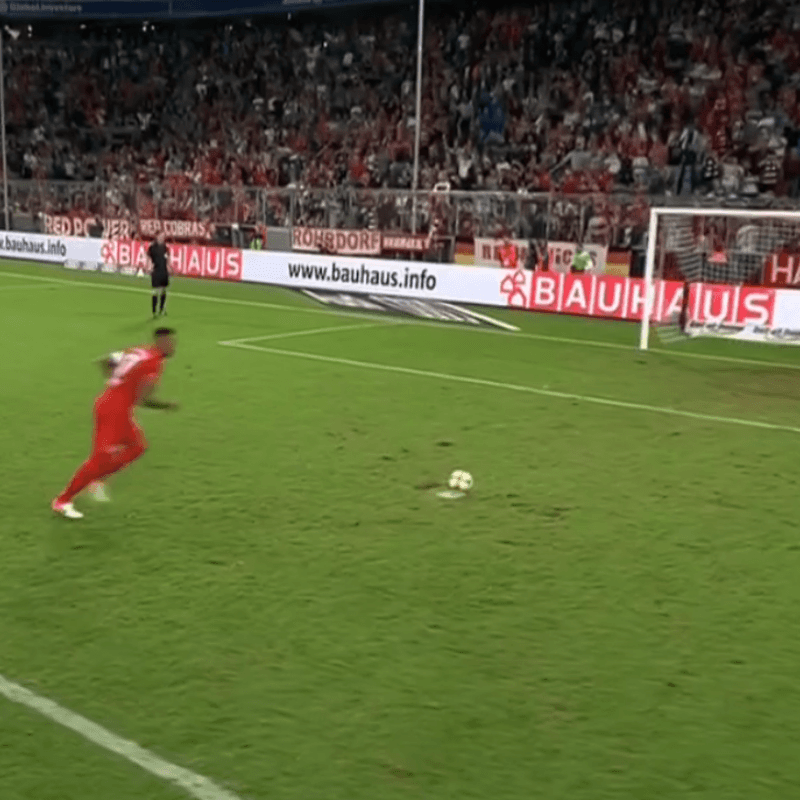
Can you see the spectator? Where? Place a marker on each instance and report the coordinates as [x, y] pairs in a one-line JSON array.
[[508, 255], [600, 90], [688, 147]]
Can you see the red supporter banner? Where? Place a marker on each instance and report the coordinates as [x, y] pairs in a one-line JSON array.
[[192, 261], [405, 242], [76, 225], [176, 228], [344, 243], [617, 297]]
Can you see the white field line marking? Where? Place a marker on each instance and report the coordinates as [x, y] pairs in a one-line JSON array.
[[601, 401], [312, 332], [506, 326], [541, 337], [193, 784]]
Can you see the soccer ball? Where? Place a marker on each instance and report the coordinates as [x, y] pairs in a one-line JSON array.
[[460, 480]]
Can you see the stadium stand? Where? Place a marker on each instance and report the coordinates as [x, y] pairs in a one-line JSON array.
[[660, 99]]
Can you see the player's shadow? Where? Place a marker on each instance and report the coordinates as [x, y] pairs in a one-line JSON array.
[[65, 536], [139, 325]]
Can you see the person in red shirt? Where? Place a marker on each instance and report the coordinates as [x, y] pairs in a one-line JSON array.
[[509, 257], [118, 441]]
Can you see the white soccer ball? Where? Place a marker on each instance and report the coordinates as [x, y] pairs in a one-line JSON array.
[[460, 480]]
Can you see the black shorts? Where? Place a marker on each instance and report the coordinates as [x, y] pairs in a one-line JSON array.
[[159, 280]]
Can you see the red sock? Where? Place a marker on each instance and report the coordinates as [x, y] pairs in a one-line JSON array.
[[97, 467], [91, 470]]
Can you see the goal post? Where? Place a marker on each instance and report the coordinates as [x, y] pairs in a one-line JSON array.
[[705, 268], [649, 275]]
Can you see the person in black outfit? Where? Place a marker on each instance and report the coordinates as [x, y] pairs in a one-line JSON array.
[[159, 276]]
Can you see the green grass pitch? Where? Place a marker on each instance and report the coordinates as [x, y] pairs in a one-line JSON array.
[[274, 602]]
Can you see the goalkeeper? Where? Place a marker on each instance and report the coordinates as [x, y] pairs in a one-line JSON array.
[[582, 260]]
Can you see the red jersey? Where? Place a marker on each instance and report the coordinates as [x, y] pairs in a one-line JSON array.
[[138, 366], [508, 256]]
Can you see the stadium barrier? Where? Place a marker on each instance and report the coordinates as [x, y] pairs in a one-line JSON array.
[[746, 312], [67, 208]]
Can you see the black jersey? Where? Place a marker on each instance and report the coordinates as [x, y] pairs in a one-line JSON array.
[[158, 255]]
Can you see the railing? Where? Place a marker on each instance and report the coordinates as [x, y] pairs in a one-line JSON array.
[[456, 215]]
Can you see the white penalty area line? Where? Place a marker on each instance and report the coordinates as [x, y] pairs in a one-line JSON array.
[[193, 784], [313, 332], [443, 376], [540, 337]]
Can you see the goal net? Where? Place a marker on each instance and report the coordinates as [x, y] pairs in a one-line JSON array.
[[711, 272]]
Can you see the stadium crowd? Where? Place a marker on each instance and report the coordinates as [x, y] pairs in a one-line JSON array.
[[659, 97]]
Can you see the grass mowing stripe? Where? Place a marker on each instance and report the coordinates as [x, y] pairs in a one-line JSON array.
[[193, 784], [443, 376], [26, 286], [189, 296], [542, 337]]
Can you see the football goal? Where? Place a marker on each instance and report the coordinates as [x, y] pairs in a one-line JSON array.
[[713, 272]]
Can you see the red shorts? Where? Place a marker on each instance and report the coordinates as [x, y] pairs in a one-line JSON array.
[[114, 429]]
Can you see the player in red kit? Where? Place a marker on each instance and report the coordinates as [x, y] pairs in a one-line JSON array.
[[508, 254], [117, 439]]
